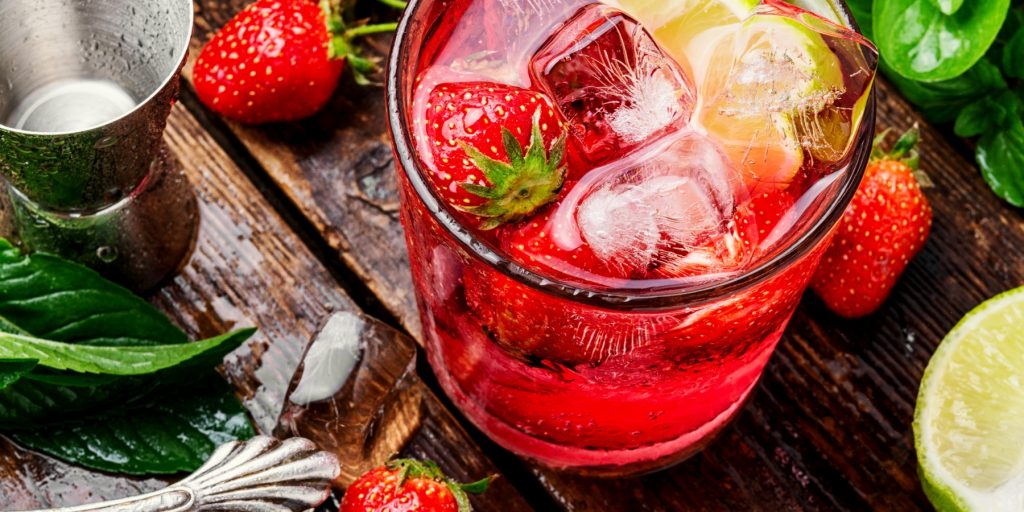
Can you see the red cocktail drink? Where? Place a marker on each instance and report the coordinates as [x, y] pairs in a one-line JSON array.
[[612, 209]]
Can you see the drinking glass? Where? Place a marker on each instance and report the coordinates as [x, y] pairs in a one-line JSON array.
[[661, 370]]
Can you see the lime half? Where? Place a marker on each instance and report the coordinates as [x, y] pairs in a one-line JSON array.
[[969, 420]]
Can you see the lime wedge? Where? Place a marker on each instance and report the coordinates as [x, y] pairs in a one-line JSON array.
[[969, 420]]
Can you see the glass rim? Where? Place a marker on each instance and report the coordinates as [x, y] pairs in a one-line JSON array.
[[628, 299], [180, 59]]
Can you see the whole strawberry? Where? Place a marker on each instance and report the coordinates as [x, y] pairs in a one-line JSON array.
[[277, 60], [409, 485], [495, 152], [884, 227]]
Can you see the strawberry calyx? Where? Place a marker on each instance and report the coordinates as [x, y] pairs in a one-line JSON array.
[[519, 187], [904, 151], [413, 468], [344, 33]]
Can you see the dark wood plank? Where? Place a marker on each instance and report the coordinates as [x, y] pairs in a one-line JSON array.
[[829, 428], [338, 167], [248, 268]]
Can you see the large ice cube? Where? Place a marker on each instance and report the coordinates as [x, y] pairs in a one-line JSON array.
[[666, 202], [612, 82]]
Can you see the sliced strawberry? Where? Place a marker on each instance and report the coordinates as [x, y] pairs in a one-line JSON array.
[[495, 152]]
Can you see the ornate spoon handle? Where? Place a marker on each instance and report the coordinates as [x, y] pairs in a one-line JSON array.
[[258, 475]]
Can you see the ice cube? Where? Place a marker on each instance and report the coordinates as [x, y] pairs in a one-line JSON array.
[[664, 203], [356, 393], [612, 82]]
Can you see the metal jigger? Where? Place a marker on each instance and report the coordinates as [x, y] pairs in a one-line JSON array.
[[86, 87]]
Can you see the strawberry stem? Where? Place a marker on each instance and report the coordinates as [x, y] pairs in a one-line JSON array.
[[397, 4], [370, 29]]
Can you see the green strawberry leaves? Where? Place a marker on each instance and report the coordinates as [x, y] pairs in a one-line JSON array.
[[170, 435], [921, 42], [97, 376], [523, 184]]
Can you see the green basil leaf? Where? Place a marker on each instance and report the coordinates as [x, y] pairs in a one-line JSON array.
[[941, 102], [172, 435], [13, 369], [1001, 158], [63, 301], [119, 360], [1013, 56], [948, 6], [978, 118], [922, 43]]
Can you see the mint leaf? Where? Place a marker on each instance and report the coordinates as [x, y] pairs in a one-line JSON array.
[[13, 369], [942, 101], [948, 7], [119, 360], [47, 394], [28, 402], [921, 43], [171, 435], [63, 301], [978, 118], [1001, 158], [1013, 55]]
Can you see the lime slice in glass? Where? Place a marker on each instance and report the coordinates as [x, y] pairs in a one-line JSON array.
[[695, 15], [755, 79], [969, 420]]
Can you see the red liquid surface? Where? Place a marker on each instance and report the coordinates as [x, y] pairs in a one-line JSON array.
[[578, 386]]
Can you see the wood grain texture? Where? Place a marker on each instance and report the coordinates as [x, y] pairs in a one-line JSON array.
[[248, 268], [829, 428], [337, 166]]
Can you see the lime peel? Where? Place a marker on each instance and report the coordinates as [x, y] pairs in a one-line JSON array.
[[969, 419]]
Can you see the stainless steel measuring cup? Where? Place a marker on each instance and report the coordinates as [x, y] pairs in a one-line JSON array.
[[86, 87]]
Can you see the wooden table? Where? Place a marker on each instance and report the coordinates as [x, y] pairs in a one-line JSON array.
[[302, 220]]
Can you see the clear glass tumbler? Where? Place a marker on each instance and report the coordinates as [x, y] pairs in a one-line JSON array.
[[652, 373]]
